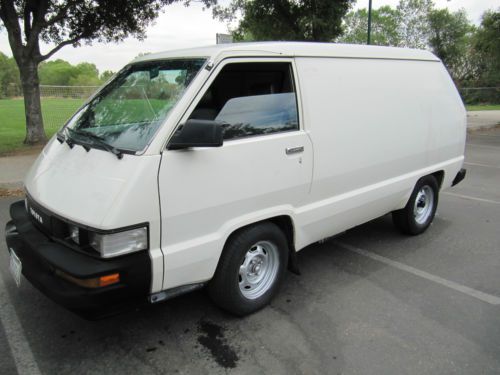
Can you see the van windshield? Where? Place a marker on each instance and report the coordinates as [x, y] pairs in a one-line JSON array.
[[128, 111]]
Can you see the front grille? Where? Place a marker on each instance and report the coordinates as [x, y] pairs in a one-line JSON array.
[[57, 228], [39, 216]]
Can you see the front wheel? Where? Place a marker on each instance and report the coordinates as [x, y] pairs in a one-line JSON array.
[[250, 270], [420, 210]]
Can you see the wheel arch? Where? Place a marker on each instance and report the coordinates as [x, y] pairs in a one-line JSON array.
[[286, 225], [439, 175]]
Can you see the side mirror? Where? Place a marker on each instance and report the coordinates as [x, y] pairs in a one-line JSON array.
[[197, 133]]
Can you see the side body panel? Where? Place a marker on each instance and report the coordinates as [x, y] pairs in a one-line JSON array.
[[377, 126], [207, 193]]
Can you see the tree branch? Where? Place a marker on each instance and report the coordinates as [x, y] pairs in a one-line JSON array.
[[58, 47], [37, 24], [9, 17], [60, 15], [27, 19]]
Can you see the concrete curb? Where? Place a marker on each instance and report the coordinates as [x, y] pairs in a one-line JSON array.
[[11, 185]]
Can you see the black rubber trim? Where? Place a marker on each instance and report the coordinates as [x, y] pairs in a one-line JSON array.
[[459, 177], [40, 257]]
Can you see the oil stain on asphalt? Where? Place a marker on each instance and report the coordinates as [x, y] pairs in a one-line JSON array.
[[212, 338]]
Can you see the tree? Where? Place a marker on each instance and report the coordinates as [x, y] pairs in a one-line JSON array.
[[62, 73], [57, 72], [449, 38], [312, 20], [62, 23], [384, 27], [86, 75], [9, 77], [413, 22], [106, 76], [486, 48]]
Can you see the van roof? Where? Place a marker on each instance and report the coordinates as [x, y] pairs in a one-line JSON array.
[[293, 49]]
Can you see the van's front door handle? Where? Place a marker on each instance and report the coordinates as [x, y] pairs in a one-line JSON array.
[[294, 150]]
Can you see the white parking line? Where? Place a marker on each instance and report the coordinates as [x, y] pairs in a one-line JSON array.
[[471, 198], [488, 298], [484, 146], [482, 165], [19, 346]]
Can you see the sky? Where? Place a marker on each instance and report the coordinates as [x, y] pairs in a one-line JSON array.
[[183, 27]]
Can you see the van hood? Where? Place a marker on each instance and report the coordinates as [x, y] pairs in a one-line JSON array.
[[83, 186]]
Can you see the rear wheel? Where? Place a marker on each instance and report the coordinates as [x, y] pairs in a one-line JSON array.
[[250, 270], [420, 210]]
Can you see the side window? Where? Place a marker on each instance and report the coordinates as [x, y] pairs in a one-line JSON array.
[[251, 99]]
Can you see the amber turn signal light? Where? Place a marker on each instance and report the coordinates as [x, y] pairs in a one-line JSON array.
[[96, 282]]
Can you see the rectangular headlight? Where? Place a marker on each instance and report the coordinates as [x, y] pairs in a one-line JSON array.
[[114, 244]]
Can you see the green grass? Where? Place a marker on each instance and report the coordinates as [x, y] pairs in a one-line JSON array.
[[13, 123], [57, 111], [483, 107]]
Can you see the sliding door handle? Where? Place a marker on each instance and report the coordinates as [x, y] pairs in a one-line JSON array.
[[294, 150]]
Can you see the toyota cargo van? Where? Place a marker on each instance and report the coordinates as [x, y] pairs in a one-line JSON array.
[[214, 166]]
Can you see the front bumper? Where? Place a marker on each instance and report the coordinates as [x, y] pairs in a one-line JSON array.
[[41, 257]]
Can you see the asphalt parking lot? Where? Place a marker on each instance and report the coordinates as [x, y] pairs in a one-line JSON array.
[[368, 302]]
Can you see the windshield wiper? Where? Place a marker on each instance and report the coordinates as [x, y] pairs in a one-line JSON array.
[[61, 137], [98, 140]]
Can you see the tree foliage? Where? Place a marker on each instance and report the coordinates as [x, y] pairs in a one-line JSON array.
[[9, 77], [486, 46], [471, 54], [384, 27], [449, 38], [62, 73], [309, 20], [413, 25], [62, 23]]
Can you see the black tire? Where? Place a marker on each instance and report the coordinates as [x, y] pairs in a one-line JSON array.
[[224, 288], [409, 222]]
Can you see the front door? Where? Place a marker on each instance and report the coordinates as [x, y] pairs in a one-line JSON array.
[[263, 169]]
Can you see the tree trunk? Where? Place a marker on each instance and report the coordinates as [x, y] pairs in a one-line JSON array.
[[35, 133]]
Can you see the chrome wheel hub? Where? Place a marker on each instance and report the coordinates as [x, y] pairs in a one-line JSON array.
[[258, 270], [424, 204]]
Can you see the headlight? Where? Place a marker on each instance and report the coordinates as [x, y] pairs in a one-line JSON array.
[[110, 245], [74, 233]]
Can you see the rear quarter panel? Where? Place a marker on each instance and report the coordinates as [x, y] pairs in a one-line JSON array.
[[377, 125]]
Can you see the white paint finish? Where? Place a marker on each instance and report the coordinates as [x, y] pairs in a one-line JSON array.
[[19, 345], [98, 190], [376, 129], [485, 297], [336, 214], [292, 49], [207, 193]]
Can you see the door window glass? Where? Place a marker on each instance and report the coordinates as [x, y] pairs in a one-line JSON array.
[[251, 99]]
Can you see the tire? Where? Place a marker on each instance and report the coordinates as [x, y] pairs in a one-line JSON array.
[[251, 269], [420, 210]]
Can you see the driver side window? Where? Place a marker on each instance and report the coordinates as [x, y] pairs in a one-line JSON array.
[[251, 99]]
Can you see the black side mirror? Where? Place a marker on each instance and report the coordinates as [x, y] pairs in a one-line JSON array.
[[197, 133]]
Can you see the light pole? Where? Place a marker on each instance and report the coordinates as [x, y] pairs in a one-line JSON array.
[[369, 22]]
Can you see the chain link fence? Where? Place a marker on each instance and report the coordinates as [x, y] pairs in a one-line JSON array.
[[59, 103], [480, 95]]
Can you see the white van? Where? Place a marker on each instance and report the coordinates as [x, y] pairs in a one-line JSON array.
[[214, 166]]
